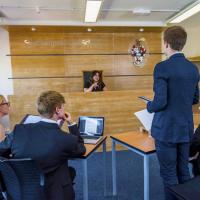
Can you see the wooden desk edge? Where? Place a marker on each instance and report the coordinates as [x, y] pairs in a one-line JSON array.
[[96, 146], [128, 145]]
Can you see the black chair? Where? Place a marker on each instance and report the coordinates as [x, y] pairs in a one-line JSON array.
[[187, 191], [21, 179], [86, 76]]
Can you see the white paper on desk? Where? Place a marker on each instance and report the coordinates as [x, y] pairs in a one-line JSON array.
[[145, 118], [91, 126], [32, 119]]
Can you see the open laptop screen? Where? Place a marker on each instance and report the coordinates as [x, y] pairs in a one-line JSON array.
[[91, 125]]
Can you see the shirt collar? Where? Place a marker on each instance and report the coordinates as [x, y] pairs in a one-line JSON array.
[[176, 53], [48, 120]]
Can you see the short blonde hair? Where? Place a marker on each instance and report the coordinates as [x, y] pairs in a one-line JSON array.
[[48, 101]]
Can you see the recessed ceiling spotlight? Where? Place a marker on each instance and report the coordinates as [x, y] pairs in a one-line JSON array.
[[89, 29], [27, 42], [141, 29], [33, 28]]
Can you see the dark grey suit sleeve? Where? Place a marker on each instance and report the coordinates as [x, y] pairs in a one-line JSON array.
[[160, 91], [5, 145], [73, 129], [79, 147]]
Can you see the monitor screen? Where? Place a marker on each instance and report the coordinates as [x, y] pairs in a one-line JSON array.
[[91, 125]]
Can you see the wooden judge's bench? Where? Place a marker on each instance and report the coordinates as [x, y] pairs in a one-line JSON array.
[[117, 107]]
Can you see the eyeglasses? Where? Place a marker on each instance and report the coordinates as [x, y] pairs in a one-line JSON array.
[[5, 103]]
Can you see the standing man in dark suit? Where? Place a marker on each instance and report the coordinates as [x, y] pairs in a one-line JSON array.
[[175, 91], [46, 143]]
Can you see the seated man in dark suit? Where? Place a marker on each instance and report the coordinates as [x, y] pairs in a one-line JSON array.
[[195, 151], [46, 143]]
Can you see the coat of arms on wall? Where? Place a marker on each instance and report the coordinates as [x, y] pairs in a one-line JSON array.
[[138, 52]]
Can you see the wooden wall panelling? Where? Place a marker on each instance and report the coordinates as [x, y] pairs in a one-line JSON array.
[[81, 29], [124, 41], [124, 65], [38, 66], [196, 114], [129, 83], [37, 85], [75, 65], [22, 86], [40, 43], [61, 42], [90, 43]]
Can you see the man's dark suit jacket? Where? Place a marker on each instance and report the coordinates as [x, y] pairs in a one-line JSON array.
[[176, 89], [50, 147]]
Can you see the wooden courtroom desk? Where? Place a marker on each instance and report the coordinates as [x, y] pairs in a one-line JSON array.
[[90, 149], [140, 143], [117, 107]]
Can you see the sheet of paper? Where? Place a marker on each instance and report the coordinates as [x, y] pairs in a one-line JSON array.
[[32, 119], [91, 126], [145, 118]]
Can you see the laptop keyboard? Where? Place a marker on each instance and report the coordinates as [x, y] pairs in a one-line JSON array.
[[89, 137]]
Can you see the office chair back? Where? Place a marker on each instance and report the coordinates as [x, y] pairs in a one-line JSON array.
[[23, 179], [10, 186]]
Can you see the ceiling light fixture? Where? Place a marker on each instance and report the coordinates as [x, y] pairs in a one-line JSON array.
[[186, 13], [92, 10], [141, 11]]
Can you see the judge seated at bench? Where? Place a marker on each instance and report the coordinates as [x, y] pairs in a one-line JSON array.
[[95, 83]]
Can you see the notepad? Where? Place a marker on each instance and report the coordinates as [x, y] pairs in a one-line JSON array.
[[145, 118]]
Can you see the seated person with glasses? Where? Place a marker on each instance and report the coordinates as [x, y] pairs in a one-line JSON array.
[[95, 84], [4, 111]]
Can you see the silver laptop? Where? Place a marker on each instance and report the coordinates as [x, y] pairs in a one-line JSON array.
[[91, 129]]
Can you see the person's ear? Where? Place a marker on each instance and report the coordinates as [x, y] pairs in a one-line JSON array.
[[165, 45], [57, 111]]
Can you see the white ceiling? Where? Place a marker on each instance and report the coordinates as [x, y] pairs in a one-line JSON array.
[[71, 12]]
